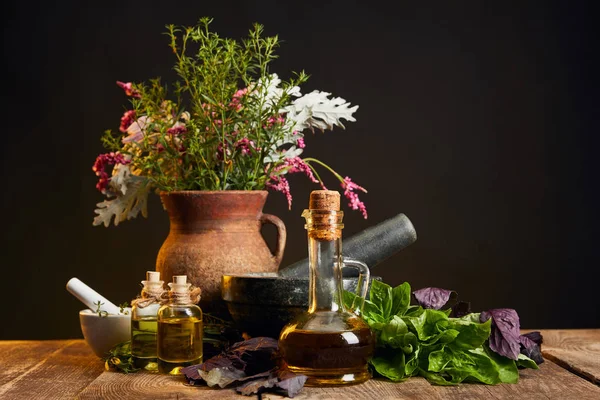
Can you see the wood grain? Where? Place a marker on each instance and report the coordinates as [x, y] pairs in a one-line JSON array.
[[68, 369], [145, 385], [18, 356], [576, 350], [60, 374], [549, 382]]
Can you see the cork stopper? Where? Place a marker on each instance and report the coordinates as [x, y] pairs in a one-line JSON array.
[[153, 276], [179, 284], [324, 200], [324, 218]]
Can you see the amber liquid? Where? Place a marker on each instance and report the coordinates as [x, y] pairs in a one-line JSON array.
[[179, 344], [328, 358]]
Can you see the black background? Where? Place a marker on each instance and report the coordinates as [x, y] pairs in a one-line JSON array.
[[478, 120]]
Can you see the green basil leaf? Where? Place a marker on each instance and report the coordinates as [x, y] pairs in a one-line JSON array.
[[426, 325], [435, 379], [381, 296], [400, 299], [390, 364], [525, 362], [472, 334], [393, 332], [369, 312]]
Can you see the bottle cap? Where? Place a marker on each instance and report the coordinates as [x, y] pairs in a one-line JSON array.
[[180, 279]]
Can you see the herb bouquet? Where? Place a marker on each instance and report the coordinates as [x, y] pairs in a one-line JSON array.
[[226, 123]]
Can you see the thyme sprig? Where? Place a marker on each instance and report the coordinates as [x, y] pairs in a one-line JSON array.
[[119, 358]]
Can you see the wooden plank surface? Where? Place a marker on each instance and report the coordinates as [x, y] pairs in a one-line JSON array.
[[576, 350], [146, 385], [60, 374], [68, 369], [16, 361]]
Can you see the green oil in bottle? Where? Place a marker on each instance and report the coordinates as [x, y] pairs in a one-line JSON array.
[[144, 323]]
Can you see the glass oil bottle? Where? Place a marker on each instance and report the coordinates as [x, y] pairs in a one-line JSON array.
[[179, 328], [328, 343], [144, 323]]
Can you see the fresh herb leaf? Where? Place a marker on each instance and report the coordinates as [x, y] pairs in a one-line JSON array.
[[420, 340], [99, 311], [119, 358], [505, 335], [531, 349], [290, 383], [525, 362], [400, 299], [432, 297], [381, 296], [390, 365]]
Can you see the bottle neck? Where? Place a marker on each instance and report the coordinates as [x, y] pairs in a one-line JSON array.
[[325, 285]]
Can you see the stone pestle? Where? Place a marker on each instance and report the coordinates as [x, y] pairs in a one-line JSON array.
[[371, 246]]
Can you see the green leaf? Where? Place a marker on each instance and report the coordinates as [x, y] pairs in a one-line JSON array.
[[393, 332], [507, 368], [400, 299], [370, 312], [525, 362], [472, 334], [435, 379], [390, 364], [414, 311], [427, 325], [381, 296]]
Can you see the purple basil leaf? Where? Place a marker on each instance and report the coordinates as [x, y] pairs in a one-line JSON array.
[[291, 383], [536, 336], [505, 335], [432, 297], [257, 385], [252, 357], [531, 349]]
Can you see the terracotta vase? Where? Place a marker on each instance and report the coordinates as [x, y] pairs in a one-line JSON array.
[[217, 233]]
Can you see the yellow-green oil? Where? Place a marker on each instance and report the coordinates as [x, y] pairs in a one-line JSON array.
[[143, 342], [179, 343]]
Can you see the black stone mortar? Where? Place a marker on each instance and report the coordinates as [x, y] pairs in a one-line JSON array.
[[261, 304]]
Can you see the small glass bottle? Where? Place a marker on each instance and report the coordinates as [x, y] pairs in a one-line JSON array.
[[179, 328], [328, 343], [144, 311]]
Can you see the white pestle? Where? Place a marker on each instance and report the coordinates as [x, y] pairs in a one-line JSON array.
[[89, 296]]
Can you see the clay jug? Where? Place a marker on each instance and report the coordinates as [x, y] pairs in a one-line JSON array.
[[217, 233]]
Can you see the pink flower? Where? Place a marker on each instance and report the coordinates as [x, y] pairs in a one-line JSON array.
[[126, 120], [222, 150], [280, 184], [300, 143], [100, 168], [236, 100], [129, 90], [177, 129], [298, 165], [245, 145], [279, 119], [352, 197]]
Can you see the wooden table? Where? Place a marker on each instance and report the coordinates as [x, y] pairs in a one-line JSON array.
[[68, 369]]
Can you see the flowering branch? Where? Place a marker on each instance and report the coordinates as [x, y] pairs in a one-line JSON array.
[[212, 134]]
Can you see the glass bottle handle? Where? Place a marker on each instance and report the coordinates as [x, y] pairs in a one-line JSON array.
[[362, 286]]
